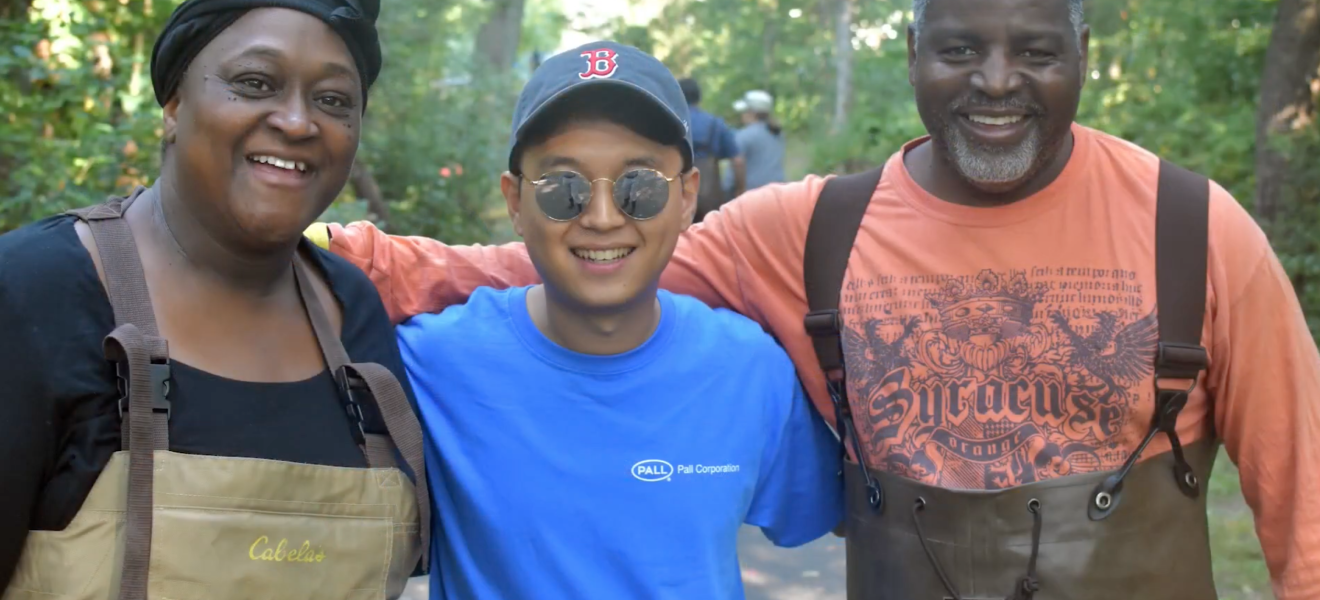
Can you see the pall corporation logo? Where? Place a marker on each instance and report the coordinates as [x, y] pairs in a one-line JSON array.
[[653, 470]]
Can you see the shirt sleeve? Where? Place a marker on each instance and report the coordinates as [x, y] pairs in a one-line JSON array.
[[750, 249], [799, 495], [416, 275], [27, 437], [1264, 379]]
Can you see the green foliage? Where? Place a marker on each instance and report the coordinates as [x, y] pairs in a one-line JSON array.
[[1296, 235], [80, 118], [1181, 79], [434, 114]]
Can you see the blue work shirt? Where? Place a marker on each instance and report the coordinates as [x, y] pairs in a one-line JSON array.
[[559, 475]]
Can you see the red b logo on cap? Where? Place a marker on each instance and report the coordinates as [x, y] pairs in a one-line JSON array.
[[600, 64]]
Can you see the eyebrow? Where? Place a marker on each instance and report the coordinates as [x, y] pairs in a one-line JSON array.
[[262, 51]]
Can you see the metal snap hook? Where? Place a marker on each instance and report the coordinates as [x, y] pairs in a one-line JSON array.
[[1103, 501]]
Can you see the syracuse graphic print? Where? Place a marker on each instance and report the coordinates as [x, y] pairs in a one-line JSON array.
[[993, 379]]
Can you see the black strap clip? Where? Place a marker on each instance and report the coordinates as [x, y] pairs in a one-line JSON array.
[[351, 387], [1180, 361], [160, 388], [823, 323]]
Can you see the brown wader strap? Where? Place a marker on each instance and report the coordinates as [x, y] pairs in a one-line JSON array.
[[136, 346], [1182, 217], [405, 432], [834, 225]]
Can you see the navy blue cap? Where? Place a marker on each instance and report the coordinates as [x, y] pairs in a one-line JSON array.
[[595, 66]]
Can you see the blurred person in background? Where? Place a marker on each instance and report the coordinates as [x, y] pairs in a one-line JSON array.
[[761, 140], [714, 141]]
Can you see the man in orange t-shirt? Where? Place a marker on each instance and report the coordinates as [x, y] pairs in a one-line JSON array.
[[999, 333]]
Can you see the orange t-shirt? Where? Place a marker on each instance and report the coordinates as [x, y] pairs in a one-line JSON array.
[[992, 347]]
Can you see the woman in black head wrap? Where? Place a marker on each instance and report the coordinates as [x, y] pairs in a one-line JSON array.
[[201, 403]]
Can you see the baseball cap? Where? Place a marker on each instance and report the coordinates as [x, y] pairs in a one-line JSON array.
[[595, 66]]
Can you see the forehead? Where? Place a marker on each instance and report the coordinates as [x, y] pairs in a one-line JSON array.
[[989, 15]]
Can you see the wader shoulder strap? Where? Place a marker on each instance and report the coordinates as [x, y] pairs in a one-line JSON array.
[[405, 431], [834, 225], [141, 360], [1182, 217]]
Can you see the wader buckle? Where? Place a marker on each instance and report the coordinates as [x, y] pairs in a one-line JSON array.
[[160, 388], [351, 386]]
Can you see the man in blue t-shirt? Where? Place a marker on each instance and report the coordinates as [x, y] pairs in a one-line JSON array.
[[594, 437]]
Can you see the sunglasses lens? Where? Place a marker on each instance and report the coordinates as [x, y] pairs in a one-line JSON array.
[[641, 194], [563, 195]]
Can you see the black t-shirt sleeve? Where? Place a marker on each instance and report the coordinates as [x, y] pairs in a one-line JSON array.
[[53, 377]]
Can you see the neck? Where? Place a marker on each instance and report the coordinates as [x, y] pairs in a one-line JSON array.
[[938, 176], [600, 333], [194, 248]]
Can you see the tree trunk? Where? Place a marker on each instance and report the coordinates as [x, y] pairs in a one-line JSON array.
[[843, 63], [499, 36], [1286, 98], [364, 183]]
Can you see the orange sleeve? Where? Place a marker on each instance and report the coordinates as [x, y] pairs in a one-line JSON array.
[[747, 256], [1265, 382], [417, 275]]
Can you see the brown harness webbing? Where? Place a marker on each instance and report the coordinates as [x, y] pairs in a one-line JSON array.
[[834, 225], [405, 432], [136, 345]]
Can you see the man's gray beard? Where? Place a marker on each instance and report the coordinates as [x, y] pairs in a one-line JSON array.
[[992, 166]]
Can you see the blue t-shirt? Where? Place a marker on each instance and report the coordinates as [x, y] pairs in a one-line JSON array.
[[559, 475]]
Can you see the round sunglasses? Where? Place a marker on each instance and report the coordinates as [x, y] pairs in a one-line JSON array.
[[640, 193]]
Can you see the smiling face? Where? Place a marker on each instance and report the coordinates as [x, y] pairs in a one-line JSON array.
[[266, 125], [997, 85], [603, 261]]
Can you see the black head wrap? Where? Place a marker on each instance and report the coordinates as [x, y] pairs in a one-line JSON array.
[[196, 22]]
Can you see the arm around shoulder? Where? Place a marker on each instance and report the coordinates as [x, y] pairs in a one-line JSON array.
[[417, 275], [747, 256]]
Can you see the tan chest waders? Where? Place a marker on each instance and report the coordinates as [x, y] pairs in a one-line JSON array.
[[168, 526]]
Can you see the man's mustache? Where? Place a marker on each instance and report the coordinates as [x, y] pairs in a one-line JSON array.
[[1004, 104]]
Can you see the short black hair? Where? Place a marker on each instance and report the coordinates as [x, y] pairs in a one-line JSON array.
[[691, 90], [622, 106]]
